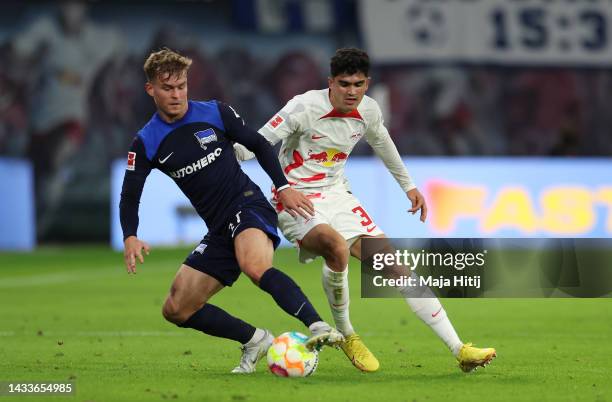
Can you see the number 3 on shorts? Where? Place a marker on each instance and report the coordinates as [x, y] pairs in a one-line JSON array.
[[361, 212]]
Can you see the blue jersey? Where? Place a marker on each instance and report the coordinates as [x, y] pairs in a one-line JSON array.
[[197, 153]]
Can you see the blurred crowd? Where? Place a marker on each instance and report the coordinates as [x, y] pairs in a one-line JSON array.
[[497, 111], [72, 98]]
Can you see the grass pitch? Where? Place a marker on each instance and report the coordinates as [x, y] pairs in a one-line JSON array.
[[75, 315]]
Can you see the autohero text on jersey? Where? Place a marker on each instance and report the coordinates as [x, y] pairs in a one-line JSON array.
[[197, 165]]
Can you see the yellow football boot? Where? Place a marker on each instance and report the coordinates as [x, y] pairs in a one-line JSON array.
[[359, 354], [470, 358]]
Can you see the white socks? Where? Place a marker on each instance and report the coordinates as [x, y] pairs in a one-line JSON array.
[[431, 312], [421, 300], [318, 326], [336, 288]]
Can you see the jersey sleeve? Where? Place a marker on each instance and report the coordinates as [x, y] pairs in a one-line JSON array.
[[236, 130], [379, 139], [284, 123], [136, 171]]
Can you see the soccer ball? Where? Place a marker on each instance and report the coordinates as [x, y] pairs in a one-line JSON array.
[[289, 357]]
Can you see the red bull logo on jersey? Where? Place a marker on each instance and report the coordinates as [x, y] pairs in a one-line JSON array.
[[328, 157], [206, 137], [339, 156]]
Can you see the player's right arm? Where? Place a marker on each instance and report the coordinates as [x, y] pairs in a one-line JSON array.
[[137, 169]]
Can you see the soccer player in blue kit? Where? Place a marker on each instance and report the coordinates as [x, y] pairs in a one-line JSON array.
[[191, 142]]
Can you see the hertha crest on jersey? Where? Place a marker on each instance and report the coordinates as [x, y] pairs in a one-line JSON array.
[[131, 161], [206, 137]]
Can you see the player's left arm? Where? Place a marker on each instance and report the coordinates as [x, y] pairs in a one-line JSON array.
[[379, 139], [236, 130]]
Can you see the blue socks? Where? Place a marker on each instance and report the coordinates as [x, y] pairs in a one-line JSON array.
[[214, 321], [288, 295]]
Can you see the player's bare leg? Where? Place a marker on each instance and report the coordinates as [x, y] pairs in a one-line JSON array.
[[428, 308], [254, 252], [187, 306], [327, 242], [190, 290]]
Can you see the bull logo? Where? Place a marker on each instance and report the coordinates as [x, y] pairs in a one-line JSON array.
[[328, 158]]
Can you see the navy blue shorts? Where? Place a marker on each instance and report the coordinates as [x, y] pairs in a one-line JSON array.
[[215, 255]]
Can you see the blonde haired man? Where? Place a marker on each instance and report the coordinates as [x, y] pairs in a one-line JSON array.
[[191, 142]]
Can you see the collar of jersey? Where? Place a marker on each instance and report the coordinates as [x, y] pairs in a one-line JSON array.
[[354, 114]]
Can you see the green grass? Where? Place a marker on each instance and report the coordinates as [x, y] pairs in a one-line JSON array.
[[75, 314]]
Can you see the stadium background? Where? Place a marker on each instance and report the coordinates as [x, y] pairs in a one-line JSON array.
[[500, 109], [256, 55]]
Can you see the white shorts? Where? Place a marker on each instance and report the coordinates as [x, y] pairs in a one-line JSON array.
[[334, 206]]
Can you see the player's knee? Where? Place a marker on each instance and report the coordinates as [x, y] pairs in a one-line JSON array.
[[254, 263], [255, 269], [174, 312], [335, 251], [170, 310]]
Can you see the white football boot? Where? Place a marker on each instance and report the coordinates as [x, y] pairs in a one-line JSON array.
[[252, 353], [323, 335]]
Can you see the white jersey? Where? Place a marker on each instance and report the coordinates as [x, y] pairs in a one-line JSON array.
[[317, 140]]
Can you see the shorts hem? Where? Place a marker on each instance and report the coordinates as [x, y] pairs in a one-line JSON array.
[[215, 275], [272, 236]]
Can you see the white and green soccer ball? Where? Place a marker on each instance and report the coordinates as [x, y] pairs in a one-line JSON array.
[[289, 357]]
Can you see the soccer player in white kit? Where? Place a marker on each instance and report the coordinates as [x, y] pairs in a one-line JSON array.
[[318, 130]]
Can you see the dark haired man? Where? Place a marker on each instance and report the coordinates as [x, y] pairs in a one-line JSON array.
[[318, 130], [191, 142]]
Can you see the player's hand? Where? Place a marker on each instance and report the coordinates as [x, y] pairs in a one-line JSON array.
[[296, 203], [133, 248], [418, 203]]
